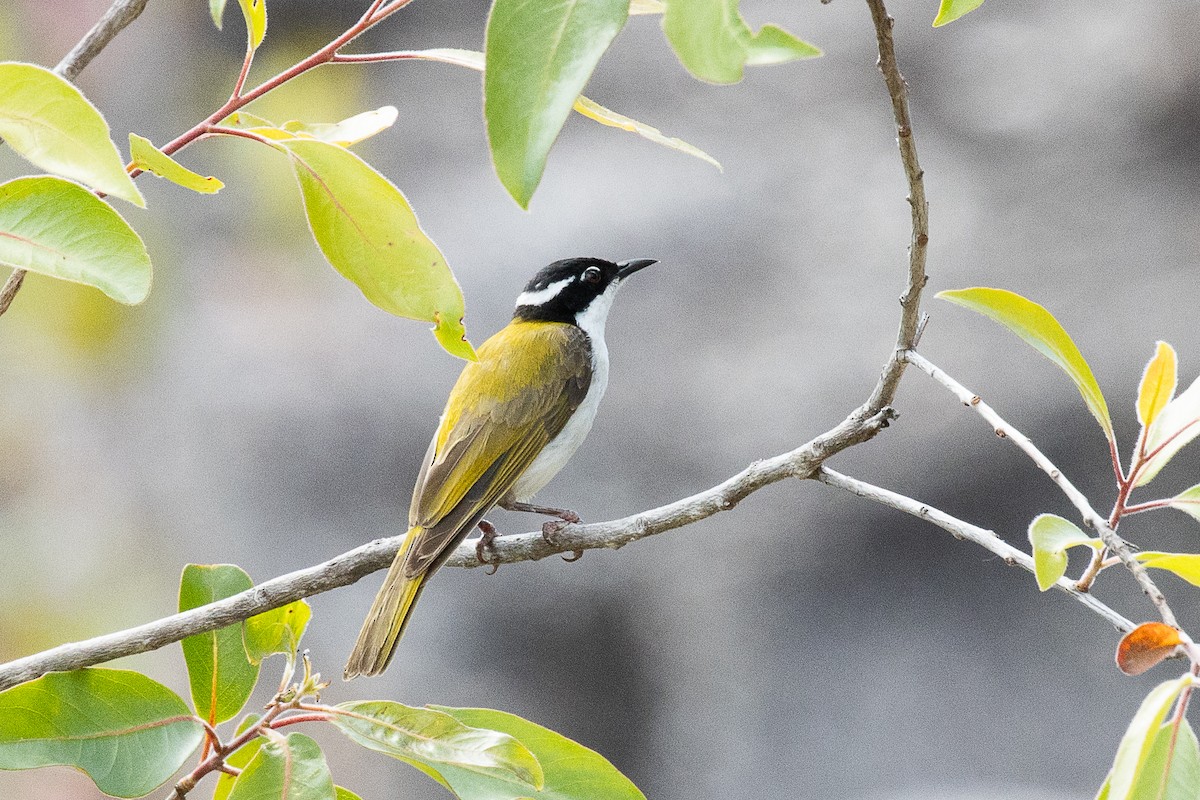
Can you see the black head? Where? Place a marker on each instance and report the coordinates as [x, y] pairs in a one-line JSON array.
[[567, 289]]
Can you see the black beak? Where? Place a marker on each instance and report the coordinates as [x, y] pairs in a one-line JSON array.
[[627, 268]]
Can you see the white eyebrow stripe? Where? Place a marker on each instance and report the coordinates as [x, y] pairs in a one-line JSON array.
[[542, 295]]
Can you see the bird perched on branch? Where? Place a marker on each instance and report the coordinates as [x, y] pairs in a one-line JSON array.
[[512, 421]]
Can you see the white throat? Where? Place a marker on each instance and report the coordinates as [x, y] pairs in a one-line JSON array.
[[591, 320]]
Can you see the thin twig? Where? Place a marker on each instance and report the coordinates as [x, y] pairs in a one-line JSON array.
[[965, 530], [910, 301], [118, 17], [1090, 517], [349, 567]]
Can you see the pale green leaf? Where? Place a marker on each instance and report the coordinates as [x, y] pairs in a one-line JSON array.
[[345, 794], [58, 228], [276, 631], [646, 7], [127, 732], [713, 41], [1188, 501], [572, 771], [147, 157], [366, 229], [1051, 537], [539, 58], [255, 13], [773, 45], [1185, 565], [239, 758], [48, 121], [293, 768], [219, 671], [951, 10], [217, 9], [605, 116], [244, 119], [1158, 384], [1175, 426], [1135, 748], [349, 131], [1172, 768], [435, 739], [1042, 331]]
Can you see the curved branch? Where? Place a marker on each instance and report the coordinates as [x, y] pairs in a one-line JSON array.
[[965, 530], [118, 17]]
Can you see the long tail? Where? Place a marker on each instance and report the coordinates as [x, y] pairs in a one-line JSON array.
[[388, 617]]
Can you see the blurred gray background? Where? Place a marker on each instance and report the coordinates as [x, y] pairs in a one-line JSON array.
[[258, 410]]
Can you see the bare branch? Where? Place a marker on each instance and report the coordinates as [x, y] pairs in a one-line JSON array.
[[119, 15], [972, 533], [910, 301], [1090, 517]]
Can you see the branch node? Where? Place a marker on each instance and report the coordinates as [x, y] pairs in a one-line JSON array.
[[1000, 432]]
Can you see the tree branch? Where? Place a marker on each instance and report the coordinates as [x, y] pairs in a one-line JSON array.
[[119, 15], [972, 533], [1090, 517]]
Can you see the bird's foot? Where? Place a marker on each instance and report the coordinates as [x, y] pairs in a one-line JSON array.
[[552, 528], [485, 543]]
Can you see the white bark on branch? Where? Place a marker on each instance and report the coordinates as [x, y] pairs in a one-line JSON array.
[[971, 533]]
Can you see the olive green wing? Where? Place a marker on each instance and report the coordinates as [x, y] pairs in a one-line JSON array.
[[505, 407]]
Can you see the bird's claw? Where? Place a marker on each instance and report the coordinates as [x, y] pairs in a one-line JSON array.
[[575, 556], [485, 544]]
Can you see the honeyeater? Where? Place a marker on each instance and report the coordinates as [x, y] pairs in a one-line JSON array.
[[513, 419]]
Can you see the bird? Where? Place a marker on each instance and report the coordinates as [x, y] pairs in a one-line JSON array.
[[514, 418]]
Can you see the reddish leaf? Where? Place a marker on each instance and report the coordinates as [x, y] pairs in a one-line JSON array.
[[1145, 646]]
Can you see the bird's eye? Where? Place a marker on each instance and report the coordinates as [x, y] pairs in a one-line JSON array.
[[592, 275]]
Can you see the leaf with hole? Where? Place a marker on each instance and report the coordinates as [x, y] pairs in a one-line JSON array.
[[147, 157], [1042, 331], [1051, 537], [292, 768], [219, 671], [539, 58], [951, 10], [436, 740], [47, 120], [58, 228], [368, 232], [127, 732]]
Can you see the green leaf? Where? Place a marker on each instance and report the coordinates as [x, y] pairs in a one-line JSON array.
[[127, 732], [255, 12], [714, 43], [149, 158], [350, 130], [646, 7], [58, 228], [217, 9], [424, 736], [1042, 331], [276, 631], [1175, 426], [605, 116], [1172, 768], [345, 794], [1135, 748], [1188, 501], [572, 771], [1051, 537], [239, 758], [539, 57], [287, 769], [1185, 565], [48, 121], [951, 10], [244, 120], [219, 670], [368, 232]]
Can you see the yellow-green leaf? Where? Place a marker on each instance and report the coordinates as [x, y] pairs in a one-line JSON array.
[[350, 130], [1135, 748], [244, 119], [646, 7], [276, 631], [1051, 537], [1176, 425], [1185, 565], [1158, 384], [368, 232], [951, 10], [255, 12], [593, 110], [1188, 501], [149, 158], [48, 121], [1042, 331], [773, 45], [58, 228]]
